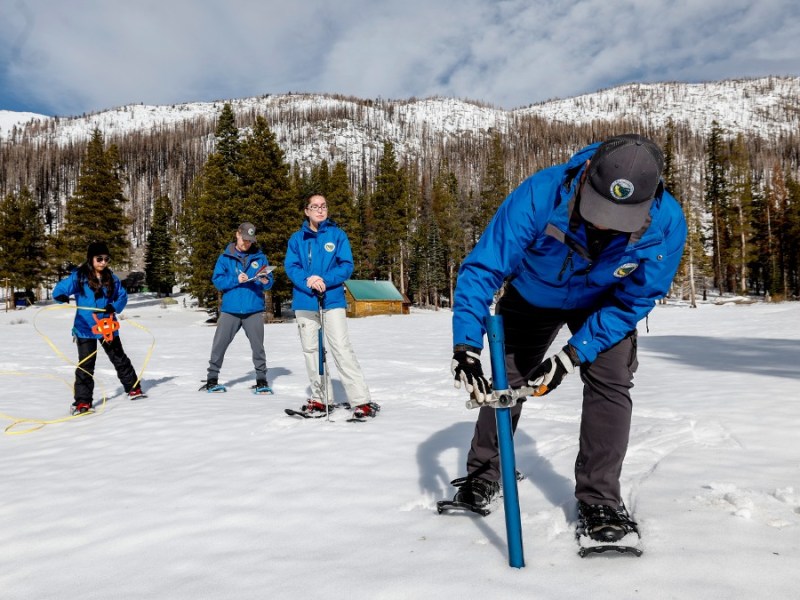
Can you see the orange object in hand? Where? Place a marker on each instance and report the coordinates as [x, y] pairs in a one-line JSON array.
[[105, 327], [541, 390]]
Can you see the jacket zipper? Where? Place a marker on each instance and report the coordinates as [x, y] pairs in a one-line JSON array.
[[567, 263]]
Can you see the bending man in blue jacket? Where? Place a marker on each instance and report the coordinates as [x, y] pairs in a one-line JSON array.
[[239, 274], [591, 244]]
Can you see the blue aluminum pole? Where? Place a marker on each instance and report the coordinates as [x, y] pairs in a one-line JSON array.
[[505, 440], [323, 369]]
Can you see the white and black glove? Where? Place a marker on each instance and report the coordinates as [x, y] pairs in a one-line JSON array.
[[468, 371], [548, 375]]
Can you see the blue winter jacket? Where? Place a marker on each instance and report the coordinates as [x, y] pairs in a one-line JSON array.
[[537, 240], [241, 298], [78, 286], [325, 253]]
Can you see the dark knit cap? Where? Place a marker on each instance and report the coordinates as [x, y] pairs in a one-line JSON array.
[[96, 249]]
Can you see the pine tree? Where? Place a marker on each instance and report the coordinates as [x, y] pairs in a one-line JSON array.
[[96, 211], [209, 217], [767, 264], [792, 238], [446, 212], [22, 241], [741, 204], [495, 186], [366, 255], [159, 255], [427, 261], [266, 199], [716, 197], [409, 213], [341, 204], [226, 137], [387, 202]]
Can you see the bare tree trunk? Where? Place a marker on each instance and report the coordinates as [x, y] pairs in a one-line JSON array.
[[692, 291], [742, 252], [402, 272], [269, 315], [451, 282]]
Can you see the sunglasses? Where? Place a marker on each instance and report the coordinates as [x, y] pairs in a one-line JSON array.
[[103, 259]]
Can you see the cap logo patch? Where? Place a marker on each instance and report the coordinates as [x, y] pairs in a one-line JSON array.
[[330, 247], [251, 231], [621, 189], [625, 270]]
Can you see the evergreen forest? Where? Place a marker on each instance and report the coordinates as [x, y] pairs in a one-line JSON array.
[[168, 200]]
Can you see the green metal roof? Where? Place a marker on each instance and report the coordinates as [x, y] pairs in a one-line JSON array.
[[365, 289]]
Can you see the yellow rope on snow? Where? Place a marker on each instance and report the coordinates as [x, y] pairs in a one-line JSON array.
[[39, 423]]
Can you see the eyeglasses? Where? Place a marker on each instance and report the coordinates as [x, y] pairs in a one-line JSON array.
[[103, 259], [318, 207]]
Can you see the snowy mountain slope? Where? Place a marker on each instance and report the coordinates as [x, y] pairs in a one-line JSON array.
[[765, 106]]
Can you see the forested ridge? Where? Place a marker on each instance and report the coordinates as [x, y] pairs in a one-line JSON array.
[[424, 176]]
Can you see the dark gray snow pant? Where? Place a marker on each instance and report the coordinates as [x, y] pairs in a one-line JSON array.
[[606, 416], [228, 325]]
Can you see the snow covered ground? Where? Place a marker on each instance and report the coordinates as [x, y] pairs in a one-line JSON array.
[[187, 495]]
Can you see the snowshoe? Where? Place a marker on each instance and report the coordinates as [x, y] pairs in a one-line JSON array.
[[314, 409], [79, 408], [362, 411], [212, 386], [136, 393], [474, 494], [261, 387], [601, 528]]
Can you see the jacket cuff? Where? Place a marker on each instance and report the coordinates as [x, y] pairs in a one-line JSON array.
[[573, 355], [466, 348]]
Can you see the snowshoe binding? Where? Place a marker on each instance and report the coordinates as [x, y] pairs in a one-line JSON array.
[[80, 408], [262, 387], [474, 494], [136, 393], [601, 528], [363, 411], [314, 409]]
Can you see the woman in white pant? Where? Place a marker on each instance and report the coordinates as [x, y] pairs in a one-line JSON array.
[[318, 261]]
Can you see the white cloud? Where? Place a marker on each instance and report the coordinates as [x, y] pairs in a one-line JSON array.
[[71, 57]]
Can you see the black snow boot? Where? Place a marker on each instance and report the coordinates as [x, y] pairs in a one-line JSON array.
[[475, 491], [605, 524]]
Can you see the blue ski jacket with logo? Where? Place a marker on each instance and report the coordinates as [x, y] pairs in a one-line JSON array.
[[85, 296], [241, 298], [537, 240], [325, 253]]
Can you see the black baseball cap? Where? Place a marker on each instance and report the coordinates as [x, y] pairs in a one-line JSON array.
[[621, 183]]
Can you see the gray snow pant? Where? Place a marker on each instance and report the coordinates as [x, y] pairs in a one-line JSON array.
[[228, 325], [606, 416]]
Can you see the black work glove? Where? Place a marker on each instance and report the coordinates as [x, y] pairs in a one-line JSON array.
[[467, 370], [109, 309], [548, 375], [63, 298]]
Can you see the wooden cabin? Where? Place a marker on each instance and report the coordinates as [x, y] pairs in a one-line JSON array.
[[369, 297]]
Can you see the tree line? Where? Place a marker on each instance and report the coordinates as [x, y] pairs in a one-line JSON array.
[[412, 222]]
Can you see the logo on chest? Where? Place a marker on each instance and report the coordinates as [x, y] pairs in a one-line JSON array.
[[625, 270], [330, 247]]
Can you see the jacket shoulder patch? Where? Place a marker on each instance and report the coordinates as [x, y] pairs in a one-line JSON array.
[[625, 270]]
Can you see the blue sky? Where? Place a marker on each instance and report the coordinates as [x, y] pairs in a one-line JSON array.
[[67, 58]]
